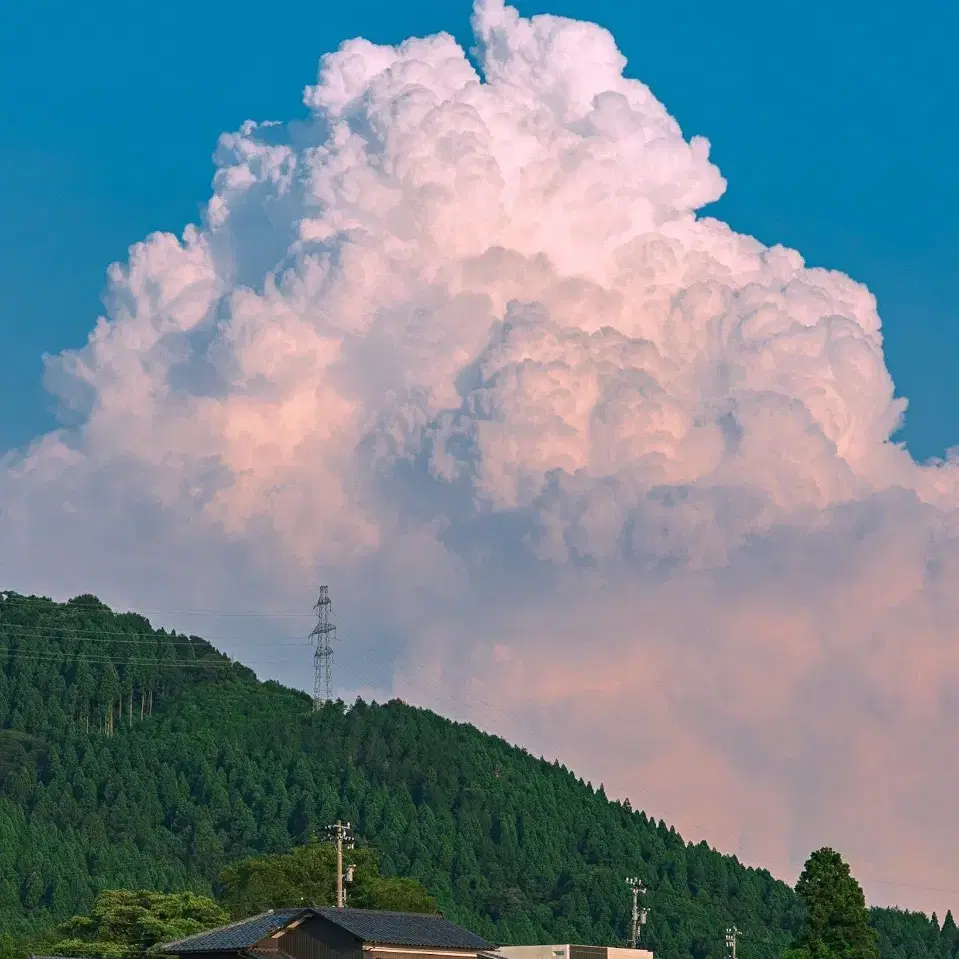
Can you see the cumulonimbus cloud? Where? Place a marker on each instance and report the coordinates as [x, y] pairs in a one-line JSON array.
[[570, 448]]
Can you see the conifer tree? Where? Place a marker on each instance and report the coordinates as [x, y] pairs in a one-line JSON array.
[[836, 924]]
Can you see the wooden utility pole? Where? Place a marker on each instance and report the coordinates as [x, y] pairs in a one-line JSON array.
[[342, 835], [339, 866], [639, 916], [732, 934]]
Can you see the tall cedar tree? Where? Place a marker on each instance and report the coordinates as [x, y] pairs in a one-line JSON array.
[[837, 920]]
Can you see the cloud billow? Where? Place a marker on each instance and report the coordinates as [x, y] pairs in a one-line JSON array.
[[594, 460]]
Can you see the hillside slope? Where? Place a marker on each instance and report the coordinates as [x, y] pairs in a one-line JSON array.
[[137, 758]]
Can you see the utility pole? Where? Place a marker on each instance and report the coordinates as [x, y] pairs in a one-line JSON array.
[[731, 935], [342, 835], [322, 637], [639, 915]]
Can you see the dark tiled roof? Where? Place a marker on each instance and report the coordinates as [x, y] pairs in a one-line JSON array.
[[237, 935], [404, 929], [368, 925]]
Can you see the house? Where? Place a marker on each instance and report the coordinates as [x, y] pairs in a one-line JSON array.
[[571, 951], [325, 933]]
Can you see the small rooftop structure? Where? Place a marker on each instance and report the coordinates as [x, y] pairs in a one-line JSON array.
[[571, 951]]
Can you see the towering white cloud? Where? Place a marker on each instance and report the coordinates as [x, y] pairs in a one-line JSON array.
[[615, 478]]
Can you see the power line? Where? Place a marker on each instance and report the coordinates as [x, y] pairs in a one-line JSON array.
[[80, 634], [104, 660], [158, 634], [45, 603]]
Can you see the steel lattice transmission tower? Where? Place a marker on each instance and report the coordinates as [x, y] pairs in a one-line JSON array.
[[322, 638]]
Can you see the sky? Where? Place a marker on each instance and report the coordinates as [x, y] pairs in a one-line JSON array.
[[833, 138], [607, 478]]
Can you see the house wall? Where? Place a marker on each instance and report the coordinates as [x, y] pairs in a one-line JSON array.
[[318, 939], [374, 952]]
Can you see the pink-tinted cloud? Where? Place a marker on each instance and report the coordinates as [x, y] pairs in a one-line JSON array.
[[579, 464]]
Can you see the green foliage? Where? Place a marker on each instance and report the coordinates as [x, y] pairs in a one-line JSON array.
[[132, 757], [308, 875], [913, 935], [836, 924], [127, 925], [11, 948]]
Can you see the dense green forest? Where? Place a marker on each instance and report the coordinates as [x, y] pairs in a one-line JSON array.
[[139, 758]]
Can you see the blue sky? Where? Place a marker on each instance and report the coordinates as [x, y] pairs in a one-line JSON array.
[[831, 123]]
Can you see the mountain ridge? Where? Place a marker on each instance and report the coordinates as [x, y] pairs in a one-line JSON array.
[[514, 846]]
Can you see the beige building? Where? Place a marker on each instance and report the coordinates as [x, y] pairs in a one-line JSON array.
[[571, 951]]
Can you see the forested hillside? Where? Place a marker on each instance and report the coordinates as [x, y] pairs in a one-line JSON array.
[[135, 758]]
